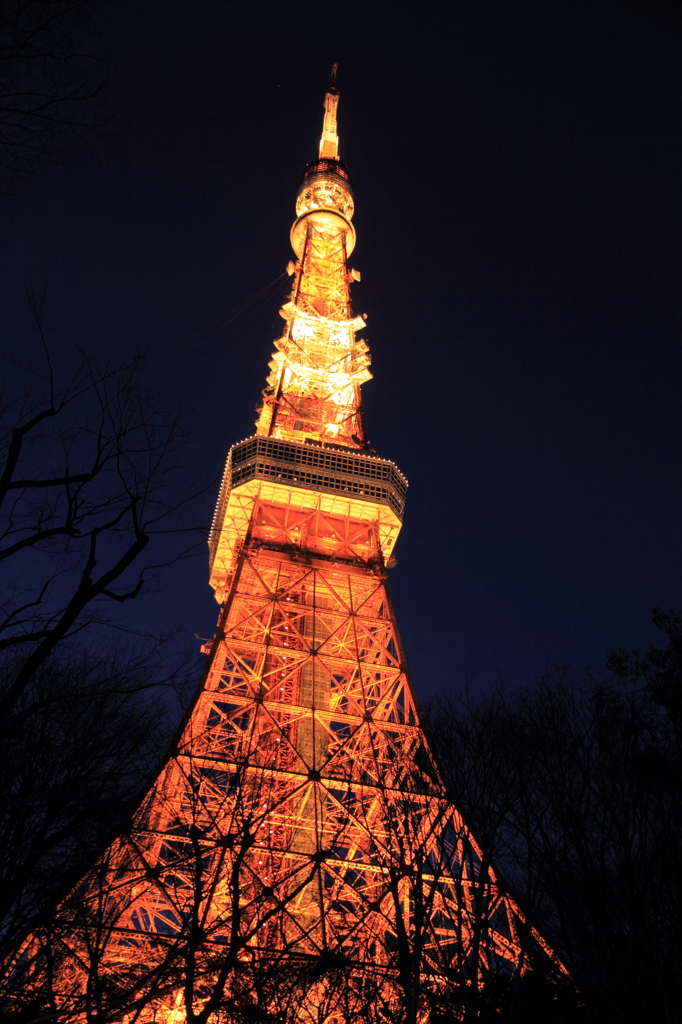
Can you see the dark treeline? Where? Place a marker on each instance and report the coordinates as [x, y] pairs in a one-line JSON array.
[[575, 793], [70, 773]]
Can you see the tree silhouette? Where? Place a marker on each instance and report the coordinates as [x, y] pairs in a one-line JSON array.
[[576, 793], [53, 69]]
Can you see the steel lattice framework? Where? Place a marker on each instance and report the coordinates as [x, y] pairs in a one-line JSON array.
[[297, 853]]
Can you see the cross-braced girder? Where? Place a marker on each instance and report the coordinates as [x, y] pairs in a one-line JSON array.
[[301, 816]]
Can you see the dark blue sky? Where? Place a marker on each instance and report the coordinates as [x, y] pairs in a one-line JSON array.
[[517, 170]]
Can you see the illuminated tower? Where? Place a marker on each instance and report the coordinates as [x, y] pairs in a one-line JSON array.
[[297, 854]]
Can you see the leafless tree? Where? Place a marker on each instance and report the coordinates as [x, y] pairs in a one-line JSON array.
[[88, 478], [53, 69], [93, 503]]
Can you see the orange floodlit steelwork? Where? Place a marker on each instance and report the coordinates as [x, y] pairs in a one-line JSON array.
[[297, 856]]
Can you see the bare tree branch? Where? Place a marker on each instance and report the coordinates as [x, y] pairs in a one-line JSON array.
[[53, 69], [88, 478]]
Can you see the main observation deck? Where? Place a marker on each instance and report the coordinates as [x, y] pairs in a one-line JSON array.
[[338, 480]]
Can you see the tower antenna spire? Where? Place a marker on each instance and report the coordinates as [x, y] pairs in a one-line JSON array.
[[329, 143]]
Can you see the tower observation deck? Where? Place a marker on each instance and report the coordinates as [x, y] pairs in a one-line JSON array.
[[297, 858]]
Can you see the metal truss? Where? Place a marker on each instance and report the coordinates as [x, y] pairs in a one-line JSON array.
[[301, 818], [318, 365]]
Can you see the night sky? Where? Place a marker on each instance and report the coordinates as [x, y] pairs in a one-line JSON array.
[[517, 170]]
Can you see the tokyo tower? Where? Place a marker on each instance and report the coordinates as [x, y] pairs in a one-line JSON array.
[[297, 858]]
